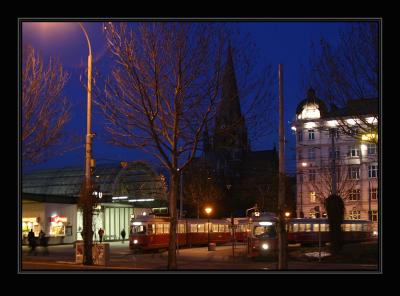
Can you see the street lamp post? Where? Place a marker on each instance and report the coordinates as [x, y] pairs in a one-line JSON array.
[[208, 210], [89, 162]]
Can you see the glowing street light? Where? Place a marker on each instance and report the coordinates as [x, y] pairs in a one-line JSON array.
[[208, 210]]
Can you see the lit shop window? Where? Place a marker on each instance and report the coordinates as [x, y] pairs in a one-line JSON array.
[[30, 223], [57, 226]]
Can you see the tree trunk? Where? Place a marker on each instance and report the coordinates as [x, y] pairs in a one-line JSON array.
[[172, 230]]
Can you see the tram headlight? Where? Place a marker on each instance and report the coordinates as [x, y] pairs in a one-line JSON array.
[[135, 241], [265, 246]]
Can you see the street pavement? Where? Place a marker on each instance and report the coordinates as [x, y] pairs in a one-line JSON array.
[[196, 259]]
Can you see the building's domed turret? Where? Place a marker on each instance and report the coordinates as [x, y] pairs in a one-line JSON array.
[[311, 107]]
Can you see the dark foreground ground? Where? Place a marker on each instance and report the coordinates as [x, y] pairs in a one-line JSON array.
[[358, 257]]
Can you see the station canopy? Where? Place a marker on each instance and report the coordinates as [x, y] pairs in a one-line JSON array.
[[134, 180]]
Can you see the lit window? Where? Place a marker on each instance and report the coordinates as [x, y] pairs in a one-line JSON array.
[[311, 134], [374, 215], [353, 151], [371, 148], [354, 173], [355, 214], [354, 194], [312, 196], [372, 171], [373, 193]]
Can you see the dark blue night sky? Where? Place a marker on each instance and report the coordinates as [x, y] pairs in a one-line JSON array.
[[287, 43]]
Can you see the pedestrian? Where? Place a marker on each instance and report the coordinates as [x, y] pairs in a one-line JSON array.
[[123, 233], [101, 233], [43, 240], [32, 242]]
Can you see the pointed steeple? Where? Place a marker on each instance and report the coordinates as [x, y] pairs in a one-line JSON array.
[[229, 123]]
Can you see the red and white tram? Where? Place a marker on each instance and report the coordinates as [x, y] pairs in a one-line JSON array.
[[311, 231], [262, 238], [149, 232]]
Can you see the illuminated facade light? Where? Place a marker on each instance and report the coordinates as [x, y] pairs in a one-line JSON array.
[[310, 125], [265, 223], [140, 200], [369, 137], [137, 223], [332, 123], [293, 128], [310, 111], [351, 121], [303, 164], [120, 197]]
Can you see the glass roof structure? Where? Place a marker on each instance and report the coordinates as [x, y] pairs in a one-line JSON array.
[[136, 180]]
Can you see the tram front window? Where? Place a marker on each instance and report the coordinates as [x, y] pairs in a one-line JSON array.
[[265, 231], [139, 229]]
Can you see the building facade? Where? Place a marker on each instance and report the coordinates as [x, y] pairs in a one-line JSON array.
[[327, 151], [50, 200]]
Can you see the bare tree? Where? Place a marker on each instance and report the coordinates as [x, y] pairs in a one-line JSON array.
[[200, 188], [163, 86], [350, 71], [45, 110], [322, 184]]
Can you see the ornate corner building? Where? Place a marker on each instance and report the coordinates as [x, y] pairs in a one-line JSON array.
[[336, 149]]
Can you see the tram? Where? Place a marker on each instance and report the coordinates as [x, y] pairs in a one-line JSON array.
[[150, 232], [262, 239], [307, 231]]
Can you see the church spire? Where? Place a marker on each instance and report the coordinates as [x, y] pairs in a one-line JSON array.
[[229, 123]]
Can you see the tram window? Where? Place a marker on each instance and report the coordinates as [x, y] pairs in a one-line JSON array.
[[358, 227], [353, 227], [139, 229], [159, 228], [214, 228], [302, 227], [315, 227], [151, 229], [308, 227], [295, 227], [166, 228], [181, 228], [265, 231], [200, 227], [193, 227], [347, 227]]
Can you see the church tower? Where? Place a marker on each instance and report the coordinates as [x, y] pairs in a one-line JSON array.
[[230, 135]]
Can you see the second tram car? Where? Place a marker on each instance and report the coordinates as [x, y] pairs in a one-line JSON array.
[[310, 231], [149, 232]]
